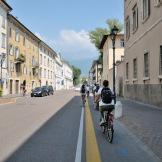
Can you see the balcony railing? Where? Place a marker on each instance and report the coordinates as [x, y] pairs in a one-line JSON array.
[[20, 59]]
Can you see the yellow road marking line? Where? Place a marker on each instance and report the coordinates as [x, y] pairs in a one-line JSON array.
[[92, 151]]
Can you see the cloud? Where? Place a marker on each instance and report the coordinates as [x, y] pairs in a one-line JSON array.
[[72, 45]]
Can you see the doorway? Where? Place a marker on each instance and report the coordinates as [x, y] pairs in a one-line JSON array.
[[11, 85], [17, 86]]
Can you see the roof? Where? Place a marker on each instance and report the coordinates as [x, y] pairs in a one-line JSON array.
[[7, 5], [11, 17], [105, 38], [103, 41]]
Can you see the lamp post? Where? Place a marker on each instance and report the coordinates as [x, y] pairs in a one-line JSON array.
[[2, 58], [113, 34]]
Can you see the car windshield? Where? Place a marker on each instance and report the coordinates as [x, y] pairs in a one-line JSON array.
[[37, 89], [44, 87]]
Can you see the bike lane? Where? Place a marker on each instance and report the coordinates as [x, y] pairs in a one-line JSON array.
[[124, 148]]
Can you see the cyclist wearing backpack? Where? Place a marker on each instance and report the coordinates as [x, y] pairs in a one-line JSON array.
[[104, 96], [83, 94]]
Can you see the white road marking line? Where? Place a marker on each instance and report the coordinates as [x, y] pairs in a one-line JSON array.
[[78, 156]]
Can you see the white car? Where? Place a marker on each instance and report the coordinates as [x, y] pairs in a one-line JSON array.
[[77, 88]]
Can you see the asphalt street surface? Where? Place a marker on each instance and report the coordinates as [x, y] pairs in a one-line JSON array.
[[49, 129]]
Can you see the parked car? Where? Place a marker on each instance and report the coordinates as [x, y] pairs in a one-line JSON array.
[[39, 92], [77, 88], [49, 89]]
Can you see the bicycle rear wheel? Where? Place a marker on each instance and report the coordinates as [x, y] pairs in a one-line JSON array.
[[110, 133]]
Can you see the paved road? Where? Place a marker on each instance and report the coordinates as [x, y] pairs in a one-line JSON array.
[[50, 129]]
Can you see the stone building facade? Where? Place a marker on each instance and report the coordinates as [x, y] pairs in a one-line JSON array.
[[4, 82], [23, 57], [143, 50]]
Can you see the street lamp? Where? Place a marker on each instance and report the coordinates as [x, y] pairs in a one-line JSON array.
[[2, 58], [113, 34]]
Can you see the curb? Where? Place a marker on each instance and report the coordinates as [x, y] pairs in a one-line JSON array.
[[6, 101]]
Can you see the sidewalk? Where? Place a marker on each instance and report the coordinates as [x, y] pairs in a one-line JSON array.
[[145, 121], [7, 99]]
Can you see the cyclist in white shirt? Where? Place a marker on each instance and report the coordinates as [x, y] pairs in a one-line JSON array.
[[104, 96]]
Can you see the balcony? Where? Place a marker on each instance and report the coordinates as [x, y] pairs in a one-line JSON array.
[[35, 65], [20, 59]]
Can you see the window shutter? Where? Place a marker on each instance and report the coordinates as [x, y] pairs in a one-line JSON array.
[[149, 8]]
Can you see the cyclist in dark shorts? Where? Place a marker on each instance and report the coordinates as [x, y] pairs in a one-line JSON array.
[[83, 94], [104, 96]]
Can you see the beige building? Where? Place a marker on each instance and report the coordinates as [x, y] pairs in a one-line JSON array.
[[143, 50], [107, 49], [23, 57], [96, 72]]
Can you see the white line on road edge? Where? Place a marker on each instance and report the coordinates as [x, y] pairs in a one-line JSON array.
[[78, 156]]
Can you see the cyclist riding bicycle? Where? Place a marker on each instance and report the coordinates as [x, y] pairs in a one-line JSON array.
[[87, 90], [104, 97], [83, 94]]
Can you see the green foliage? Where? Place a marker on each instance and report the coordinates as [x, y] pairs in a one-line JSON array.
[[116, 22], [76, 75], [97, 35]]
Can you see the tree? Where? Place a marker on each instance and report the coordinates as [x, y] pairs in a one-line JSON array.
[[76, 75], [97, 35], [116, 22]]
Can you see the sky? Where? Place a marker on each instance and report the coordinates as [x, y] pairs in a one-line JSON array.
[[64, 24]]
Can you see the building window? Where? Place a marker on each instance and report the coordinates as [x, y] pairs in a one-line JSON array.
[[48, 74], [122, 43], [3, 40], [11, 49], [44, 73], [17, 52], [41, 59], [146, 9], [160, 65], [146, 64], [3, 22], [135, 18], [11, 66], [17, 36], [40, 72], [135, 68], [24, 41], [10, 32], [127, 70], [127, 28], [48, 63], [44, 60]]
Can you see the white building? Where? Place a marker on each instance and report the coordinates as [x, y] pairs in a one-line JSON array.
[[4, 9], [47, 65], [59, 73], [68, 75]]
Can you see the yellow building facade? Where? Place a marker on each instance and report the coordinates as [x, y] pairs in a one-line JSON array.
[[23, 57]]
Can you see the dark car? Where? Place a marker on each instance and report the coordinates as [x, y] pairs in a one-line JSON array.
[[49, 89], [39, 92]]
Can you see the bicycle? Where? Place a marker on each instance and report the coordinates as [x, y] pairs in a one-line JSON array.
[[83, 100], [107, 127]]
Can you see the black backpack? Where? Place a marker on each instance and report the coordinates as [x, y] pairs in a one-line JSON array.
[[83, 90], [97, 88], [106, 95]]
